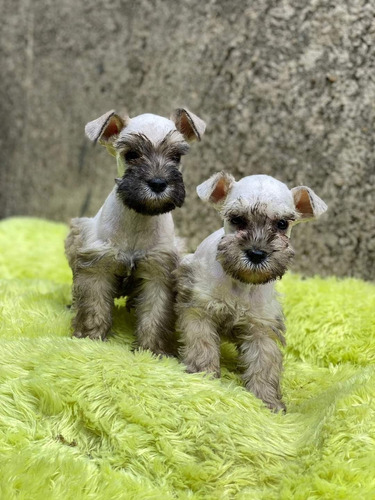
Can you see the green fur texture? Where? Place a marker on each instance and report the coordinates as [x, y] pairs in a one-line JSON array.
[[92, 420]]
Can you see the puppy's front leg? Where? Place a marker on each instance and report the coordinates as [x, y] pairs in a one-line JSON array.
[[262, 362], [154, 303], [201, 342], [93, 294]]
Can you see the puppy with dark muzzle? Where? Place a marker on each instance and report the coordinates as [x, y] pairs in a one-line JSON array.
[[129, 247], [226, 288]]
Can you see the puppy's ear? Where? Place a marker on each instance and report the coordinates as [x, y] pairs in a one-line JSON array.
[[105, 129], [307, 203], [215, 189], [190, 125]]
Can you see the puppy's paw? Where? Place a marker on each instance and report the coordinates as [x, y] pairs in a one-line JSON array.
[[209, 370], [276, 406], [92, 335]]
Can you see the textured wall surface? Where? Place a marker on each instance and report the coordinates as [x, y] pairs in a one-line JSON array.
[[287, 88]]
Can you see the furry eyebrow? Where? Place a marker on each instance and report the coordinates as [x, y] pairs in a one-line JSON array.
[[178, 148], [141, 144], [236, 212], [138, 142], [246, 213], [289, 216], [169, 145]]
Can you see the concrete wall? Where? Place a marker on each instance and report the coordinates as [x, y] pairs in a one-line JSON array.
[[286, 87]]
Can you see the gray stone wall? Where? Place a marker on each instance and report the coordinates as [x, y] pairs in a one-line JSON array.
[[286, 87]]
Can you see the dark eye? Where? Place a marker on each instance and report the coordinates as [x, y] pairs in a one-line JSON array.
[[131, 155], [176, 158], [240, 222], [282, 224]]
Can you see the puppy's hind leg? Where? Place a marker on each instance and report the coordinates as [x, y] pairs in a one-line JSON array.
[[93, 294], [262, 363]]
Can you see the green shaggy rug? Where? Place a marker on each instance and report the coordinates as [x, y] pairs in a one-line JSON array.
[[90, 420]]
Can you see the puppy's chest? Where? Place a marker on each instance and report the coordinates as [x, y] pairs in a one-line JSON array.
[[122, 252], [136, 234], [229, 304], [127, 255], [133, 242]]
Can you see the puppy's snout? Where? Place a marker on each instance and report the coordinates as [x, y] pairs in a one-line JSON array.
[[157, 184], [256, 256]]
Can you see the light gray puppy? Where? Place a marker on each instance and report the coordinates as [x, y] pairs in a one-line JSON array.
[[226, 288], [129, 247]]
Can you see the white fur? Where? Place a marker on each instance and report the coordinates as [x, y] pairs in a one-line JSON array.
[[262, 189], [154, 127], [275, 197], [108, 232]]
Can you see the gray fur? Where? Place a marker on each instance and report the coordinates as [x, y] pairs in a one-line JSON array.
[[222, 293], [130, 247]]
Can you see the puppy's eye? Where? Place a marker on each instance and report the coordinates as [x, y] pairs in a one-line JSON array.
[[176, 158], [282, 224], [132, 155], [239, 222]]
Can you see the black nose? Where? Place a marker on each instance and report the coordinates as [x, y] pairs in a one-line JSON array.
[[157, 185], [256, 256]]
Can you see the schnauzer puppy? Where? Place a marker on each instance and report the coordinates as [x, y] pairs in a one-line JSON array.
[[226, 288], [129, 247]]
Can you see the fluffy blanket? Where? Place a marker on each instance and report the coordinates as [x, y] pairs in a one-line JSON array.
[[92, 420]]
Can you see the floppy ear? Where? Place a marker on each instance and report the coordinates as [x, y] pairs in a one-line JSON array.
[[307, 203], [190, 125], [215, 189], [105, 129]]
